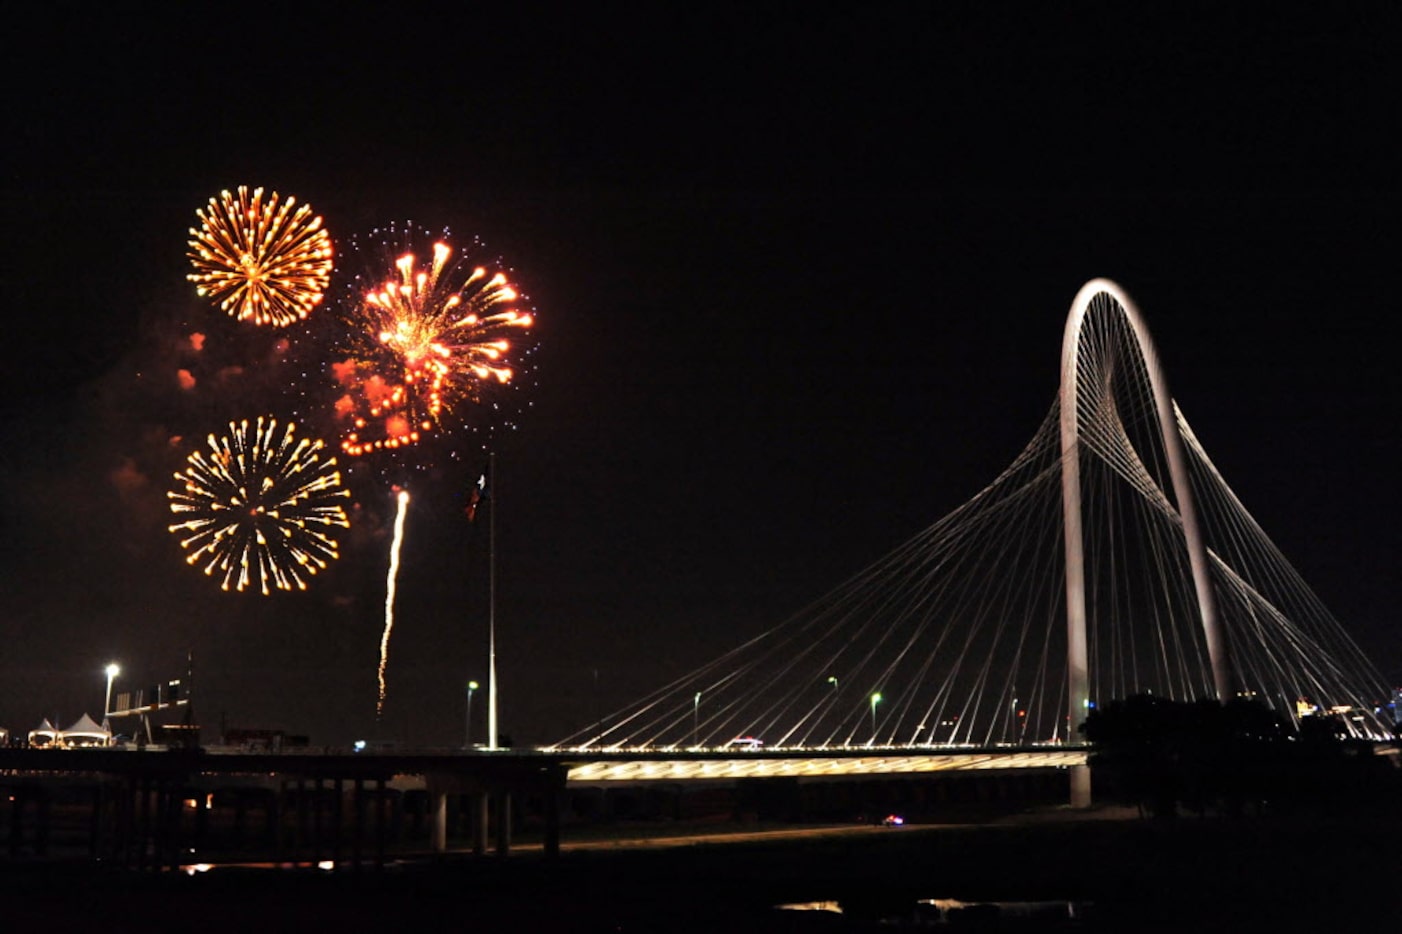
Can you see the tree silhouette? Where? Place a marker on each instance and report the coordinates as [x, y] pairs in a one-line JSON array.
[[1232, 758]]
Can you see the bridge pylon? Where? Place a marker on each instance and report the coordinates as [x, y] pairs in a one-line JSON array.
[[1102, 296]]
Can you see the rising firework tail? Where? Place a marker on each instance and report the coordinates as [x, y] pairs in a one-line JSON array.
[[478, 496], [391, 585]]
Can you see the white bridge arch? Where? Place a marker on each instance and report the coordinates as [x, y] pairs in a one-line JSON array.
[[1091, 294], [1109, 559]]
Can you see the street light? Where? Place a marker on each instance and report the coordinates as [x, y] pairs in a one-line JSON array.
[[112, 669], [467, 721], [875, 699]]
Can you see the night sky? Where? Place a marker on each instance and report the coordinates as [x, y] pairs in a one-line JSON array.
[[800, 277]]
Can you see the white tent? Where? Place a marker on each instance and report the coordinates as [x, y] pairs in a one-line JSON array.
[[85, 732], [44, 734]]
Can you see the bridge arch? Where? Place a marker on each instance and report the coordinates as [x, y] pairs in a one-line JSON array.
[[957, 637], [1078, 673]]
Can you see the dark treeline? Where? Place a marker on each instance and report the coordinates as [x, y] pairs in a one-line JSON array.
[[1239, 758]]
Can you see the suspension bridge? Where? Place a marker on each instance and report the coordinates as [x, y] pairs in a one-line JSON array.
[[1109, 559]]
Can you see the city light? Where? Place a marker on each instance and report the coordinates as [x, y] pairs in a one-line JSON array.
[[112, 670], [467, 723]]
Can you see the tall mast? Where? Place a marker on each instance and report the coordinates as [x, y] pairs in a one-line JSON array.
[[491, 603]]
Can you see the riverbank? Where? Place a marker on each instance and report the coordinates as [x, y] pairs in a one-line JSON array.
[[1120, 873]]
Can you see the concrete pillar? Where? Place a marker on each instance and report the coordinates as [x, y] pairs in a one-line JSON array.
[[357, 823], [95, 824], [143, 820], [480, 811], [17, 821], [503, 816], [299, 828], [553, 806], [1080, 786], [168, 804], [240, 815], [202, 815], [316, 820], [338, 813], [438, 820], [274, 817], [381, 823]]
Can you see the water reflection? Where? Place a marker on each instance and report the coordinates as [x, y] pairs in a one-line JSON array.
[[938, 912]]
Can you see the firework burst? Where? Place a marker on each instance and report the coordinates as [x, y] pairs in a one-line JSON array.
[[427, 339], [259, 507], [265, 262]]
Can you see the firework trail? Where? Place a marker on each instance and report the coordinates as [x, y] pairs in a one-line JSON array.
[[259, 507], [389, 594], [423, 341], [263, 262]]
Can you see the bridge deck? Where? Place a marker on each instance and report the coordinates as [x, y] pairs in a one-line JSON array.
[[632, 766]]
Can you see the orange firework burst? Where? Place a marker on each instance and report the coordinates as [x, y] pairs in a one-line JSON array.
[[259, 507], [427, 339], [263, 262]]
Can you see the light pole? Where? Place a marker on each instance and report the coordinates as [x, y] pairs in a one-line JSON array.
[[695, 718], [875, 699], [112, 669], [598, 717], [832, 703], [467, 721]]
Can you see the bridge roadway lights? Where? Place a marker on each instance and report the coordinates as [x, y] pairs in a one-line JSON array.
[[660, 765]]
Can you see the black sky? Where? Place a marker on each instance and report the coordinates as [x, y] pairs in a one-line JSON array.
[[801, 278]]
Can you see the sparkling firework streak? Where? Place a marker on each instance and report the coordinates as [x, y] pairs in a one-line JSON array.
[[259, 507], [425, 340], [263, 262], [390, 582]]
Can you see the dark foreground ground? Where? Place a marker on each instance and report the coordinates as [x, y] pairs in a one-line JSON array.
[[1117, 874]]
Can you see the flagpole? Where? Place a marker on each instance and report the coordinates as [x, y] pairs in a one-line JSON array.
[[491, 603]]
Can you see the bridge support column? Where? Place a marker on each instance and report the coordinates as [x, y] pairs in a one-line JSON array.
[[555, 804], [438, 820], [338, 813], [299, 826], [95, 823], [1080, 786], [503, 817], [480, 811], [143, 820], [357, 822], [381, 822], [272, 827], [319, 792], [19, 800]]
